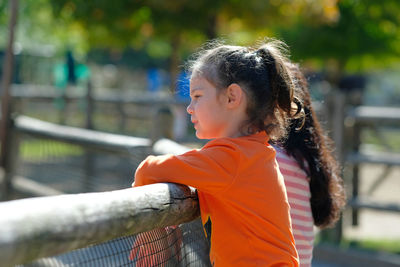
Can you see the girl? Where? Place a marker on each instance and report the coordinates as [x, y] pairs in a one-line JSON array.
[[314, 186], [240, 98]]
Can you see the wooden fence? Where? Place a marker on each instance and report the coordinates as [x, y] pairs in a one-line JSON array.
[[46, 226], [376, 119], [346, 124], [118, 145], [156, 109]]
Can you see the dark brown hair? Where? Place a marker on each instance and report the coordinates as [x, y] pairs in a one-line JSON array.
[[307, 142], [262, 74]]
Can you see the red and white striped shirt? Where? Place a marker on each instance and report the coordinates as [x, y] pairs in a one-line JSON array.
[[298, 192]]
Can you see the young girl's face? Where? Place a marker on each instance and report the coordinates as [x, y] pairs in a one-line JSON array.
[[207, 109]]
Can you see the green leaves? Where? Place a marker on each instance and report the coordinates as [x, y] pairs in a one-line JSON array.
[[364, 30], [352, 32]]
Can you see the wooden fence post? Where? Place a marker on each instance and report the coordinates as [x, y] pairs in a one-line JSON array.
[[90, 157], [10, 163], [89, 106], [8, 69], [355, 171], [338, 138], [338, 124], [337, 113]]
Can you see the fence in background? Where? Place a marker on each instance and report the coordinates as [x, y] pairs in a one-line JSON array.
[[347, 124], [45, 157], [105, 111], [376, 119]]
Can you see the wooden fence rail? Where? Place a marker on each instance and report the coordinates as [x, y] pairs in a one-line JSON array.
[[99, 140], [159, 108], [46, 226], [87, 139], [49, 93]]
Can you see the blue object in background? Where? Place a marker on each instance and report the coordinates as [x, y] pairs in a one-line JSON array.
[[183, 86], [154, 80]]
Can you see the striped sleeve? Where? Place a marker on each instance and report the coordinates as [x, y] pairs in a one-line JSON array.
[[298, 192]]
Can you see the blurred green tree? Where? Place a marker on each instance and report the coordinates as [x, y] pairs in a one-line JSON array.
[[172, 29], [245, 21], [40, 33], [166, 29], [349, 33], [365, 34], [3, 22]]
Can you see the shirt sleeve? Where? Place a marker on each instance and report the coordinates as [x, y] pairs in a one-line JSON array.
[[210, 170]]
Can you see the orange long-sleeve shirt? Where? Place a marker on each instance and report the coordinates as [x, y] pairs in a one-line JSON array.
[[243, 202]]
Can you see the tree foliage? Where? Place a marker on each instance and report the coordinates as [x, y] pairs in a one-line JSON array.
[[138, 23], [121, 23], [352, 32], [364, 31], [39, 32]]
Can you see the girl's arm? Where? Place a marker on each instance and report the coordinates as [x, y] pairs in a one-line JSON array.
[[211, 169]]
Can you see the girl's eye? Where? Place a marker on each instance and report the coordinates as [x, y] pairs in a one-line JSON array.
[[196, 96]]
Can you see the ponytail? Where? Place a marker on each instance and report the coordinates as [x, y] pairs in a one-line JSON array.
[[281, 84], [306, 142]]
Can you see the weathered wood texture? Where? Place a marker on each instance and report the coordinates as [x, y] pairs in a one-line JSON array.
[[46, 226]]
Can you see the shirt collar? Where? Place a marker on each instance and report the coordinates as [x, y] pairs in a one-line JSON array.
[[261, 137]]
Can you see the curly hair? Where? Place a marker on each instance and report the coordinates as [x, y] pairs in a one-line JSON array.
[[307, 142]]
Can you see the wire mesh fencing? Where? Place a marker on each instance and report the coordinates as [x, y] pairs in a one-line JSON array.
[[71, 168], [182, 245]]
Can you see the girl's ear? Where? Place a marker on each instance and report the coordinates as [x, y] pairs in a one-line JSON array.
[[235, 95]]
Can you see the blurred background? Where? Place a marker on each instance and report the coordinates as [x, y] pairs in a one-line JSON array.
[[118, 67]]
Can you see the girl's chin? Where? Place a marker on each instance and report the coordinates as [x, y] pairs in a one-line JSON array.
[[201, 135], [198, 135]]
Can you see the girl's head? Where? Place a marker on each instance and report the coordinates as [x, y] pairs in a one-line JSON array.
[[262, 76]]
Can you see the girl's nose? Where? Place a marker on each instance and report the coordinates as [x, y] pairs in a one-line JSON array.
[[189, 109]]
